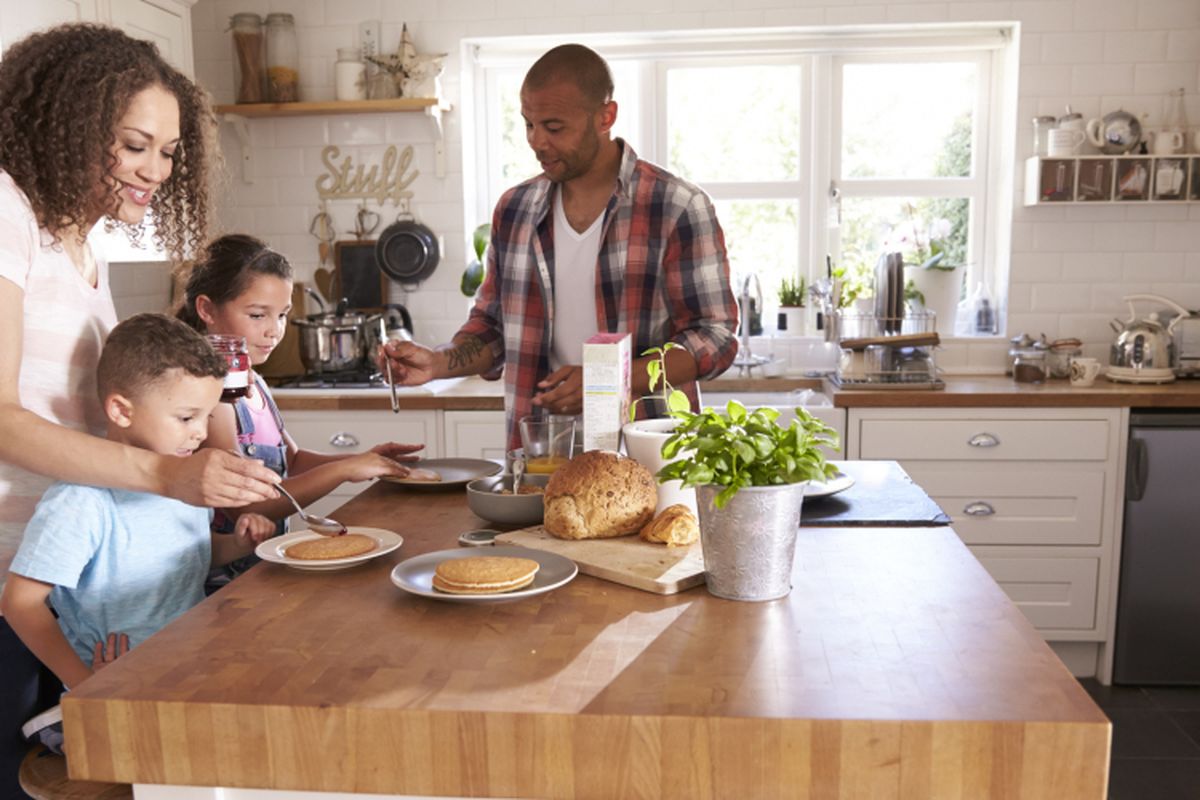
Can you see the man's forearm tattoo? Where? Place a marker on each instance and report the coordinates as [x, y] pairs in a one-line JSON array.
[[461, 356]]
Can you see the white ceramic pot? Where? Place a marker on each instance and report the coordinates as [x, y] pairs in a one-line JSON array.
[[941, 289], [643, 443], [791, 321]]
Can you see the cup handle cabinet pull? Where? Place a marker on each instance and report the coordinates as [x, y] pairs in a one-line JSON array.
[[343, 439], [984, 440], [978, 508]]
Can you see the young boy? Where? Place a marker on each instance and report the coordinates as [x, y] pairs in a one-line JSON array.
[[117, 566]]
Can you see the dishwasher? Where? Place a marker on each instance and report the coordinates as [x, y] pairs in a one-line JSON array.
[[1158, 601]]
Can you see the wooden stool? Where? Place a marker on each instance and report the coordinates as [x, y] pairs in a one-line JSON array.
[[43, 776]]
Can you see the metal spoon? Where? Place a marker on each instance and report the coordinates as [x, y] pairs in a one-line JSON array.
[[322, 525], [518, 474]]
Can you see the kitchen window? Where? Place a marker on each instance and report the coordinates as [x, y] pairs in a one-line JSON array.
[[812, 144]]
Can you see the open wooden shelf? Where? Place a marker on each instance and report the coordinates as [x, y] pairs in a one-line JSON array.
[[1081, 180], [328, 107]]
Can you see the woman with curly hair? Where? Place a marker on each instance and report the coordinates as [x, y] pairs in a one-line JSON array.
[[93, 125]]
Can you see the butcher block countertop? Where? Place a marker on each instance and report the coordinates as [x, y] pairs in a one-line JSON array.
[[895, 668], [476, 394], [999, 391]]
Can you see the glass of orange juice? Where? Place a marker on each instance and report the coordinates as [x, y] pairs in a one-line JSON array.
[[548, 442]]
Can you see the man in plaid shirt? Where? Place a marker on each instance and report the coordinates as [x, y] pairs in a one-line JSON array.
[[601, 241]]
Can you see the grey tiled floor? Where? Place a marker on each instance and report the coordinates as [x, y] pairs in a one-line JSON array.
[[1156, 740]]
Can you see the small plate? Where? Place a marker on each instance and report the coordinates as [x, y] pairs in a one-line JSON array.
[[455, 472], [416, 574], [272, 549], [840, 483]]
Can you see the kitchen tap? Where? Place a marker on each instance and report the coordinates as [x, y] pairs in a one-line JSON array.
[[746, 361]]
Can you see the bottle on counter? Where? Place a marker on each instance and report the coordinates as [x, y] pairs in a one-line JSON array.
[[350, 75], [283, 59], [249, 57]]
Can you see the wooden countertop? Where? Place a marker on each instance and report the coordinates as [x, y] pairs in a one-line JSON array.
[[476, 394], [1000, 391], [896, 667]]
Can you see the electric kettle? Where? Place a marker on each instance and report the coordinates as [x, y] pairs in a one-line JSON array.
[[1144, 350]]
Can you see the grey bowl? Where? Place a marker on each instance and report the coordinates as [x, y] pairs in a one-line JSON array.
[[484, 498]]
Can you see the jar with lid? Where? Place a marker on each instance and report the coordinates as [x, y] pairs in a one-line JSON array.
[[1029, 365], [350, 75], [237, 358], [1041, 134], [283, 59], [249, 57]]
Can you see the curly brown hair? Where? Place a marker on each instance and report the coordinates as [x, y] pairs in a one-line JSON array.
[[62, 94]]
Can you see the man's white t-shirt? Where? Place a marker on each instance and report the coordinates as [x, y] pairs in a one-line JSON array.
[[575, 257]]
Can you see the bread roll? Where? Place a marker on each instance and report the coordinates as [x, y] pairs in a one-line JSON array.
[[675, 526], [598, 495]]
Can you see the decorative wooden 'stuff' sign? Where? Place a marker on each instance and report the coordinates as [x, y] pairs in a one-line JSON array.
[[384, 182]]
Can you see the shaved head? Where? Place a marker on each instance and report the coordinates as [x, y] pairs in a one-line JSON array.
[[576, 64]]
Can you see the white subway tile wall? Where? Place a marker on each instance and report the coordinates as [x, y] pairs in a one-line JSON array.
[[1070, 266]]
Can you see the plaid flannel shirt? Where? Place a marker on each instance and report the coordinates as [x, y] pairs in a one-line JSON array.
[[662, 275]]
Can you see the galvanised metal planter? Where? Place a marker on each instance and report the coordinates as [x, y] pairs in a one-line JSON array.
[[749, 545]]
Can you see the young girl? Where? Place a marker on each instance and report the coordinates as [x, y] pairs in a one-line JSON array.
[[241, 287]]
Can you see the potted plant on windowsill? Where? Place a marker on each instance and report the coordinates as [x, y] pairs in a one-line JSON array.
[[749, 474], [791, 307]]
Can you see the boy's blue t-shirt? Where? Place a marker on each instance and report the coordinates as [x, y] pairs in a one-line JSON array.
[[120, 562]]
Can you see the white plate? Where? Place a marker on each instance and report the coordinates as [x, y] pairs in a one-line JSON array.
[[416, 574], [839, 484], [272, 549], [455, 472]]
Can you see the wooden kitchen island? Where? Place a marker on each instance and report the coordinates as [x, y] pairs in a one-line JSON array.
[[896, 668]]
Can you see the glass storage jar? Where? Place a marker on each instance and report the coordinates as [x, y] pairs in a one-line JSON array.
[[283, 59], [249, 57], [237, 358], [349, 75], [1029, 365]]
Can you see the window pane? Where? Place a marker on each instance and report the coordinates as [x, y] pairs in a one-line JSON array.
[[762, 238], [734, 123], [907, 120], [516, 159], [874, 225]]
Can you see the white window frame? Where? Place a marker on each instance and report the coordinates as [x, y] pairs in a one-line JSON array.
[[820, 53]]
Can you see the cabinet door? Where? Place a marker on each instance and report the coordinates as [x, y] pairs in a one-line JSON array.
[[1054, 593], [17, 20], [475, 434], [167, 23]]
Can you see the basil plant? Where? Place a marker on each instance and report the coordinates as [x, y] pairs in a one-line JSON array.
[[740, 448]]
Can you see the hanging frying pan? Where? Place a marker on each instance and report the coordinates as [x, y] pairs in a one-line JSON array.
[[407, 251]]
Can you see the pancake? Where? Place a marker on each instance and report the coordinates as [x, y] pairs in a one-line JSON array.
[[328, 547], [484, 574]]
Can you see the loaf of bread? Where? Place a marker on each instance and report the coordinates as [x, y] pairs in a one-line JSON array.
[[598, 495], [676, 525]]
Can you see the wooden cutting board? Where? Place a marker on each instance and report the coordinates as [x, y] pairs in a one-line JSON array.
[[626, 560]]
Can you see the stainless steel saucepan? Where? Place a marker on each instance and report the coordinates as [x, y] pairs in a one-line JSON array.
[[334, 342]]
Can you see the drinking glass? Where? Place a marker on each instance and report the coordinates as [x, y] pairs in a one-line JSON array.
[[548, 442]]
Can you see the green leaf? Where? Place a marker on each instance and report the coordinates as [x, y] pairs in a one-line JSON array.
[[472, 278], [677, 401], [480, 239]]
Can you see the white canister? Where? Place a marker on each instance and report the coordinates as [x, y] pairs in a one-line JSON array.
[[1065, 142], [349, 75]]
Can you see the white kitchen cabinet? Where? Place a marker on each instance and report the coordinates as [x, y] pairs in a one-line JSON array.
[[475, 434], [1035, 494], [17, 20], [167, 23], [357, 432]]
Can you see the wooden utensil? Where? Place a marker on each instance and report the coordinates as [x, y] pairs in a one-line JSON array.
[[899, 340]]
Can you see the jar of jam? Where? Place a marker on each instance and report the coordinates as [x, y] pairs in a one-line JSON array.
[[233, 350]]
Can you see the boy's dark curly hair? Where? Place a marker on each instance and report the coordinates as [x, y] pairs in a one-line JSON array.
[[62, 93]]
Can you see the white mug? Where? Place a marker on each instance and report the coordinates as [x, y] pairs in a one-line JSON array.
[[1065, 142], [1167, 142], [1084, 371]]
